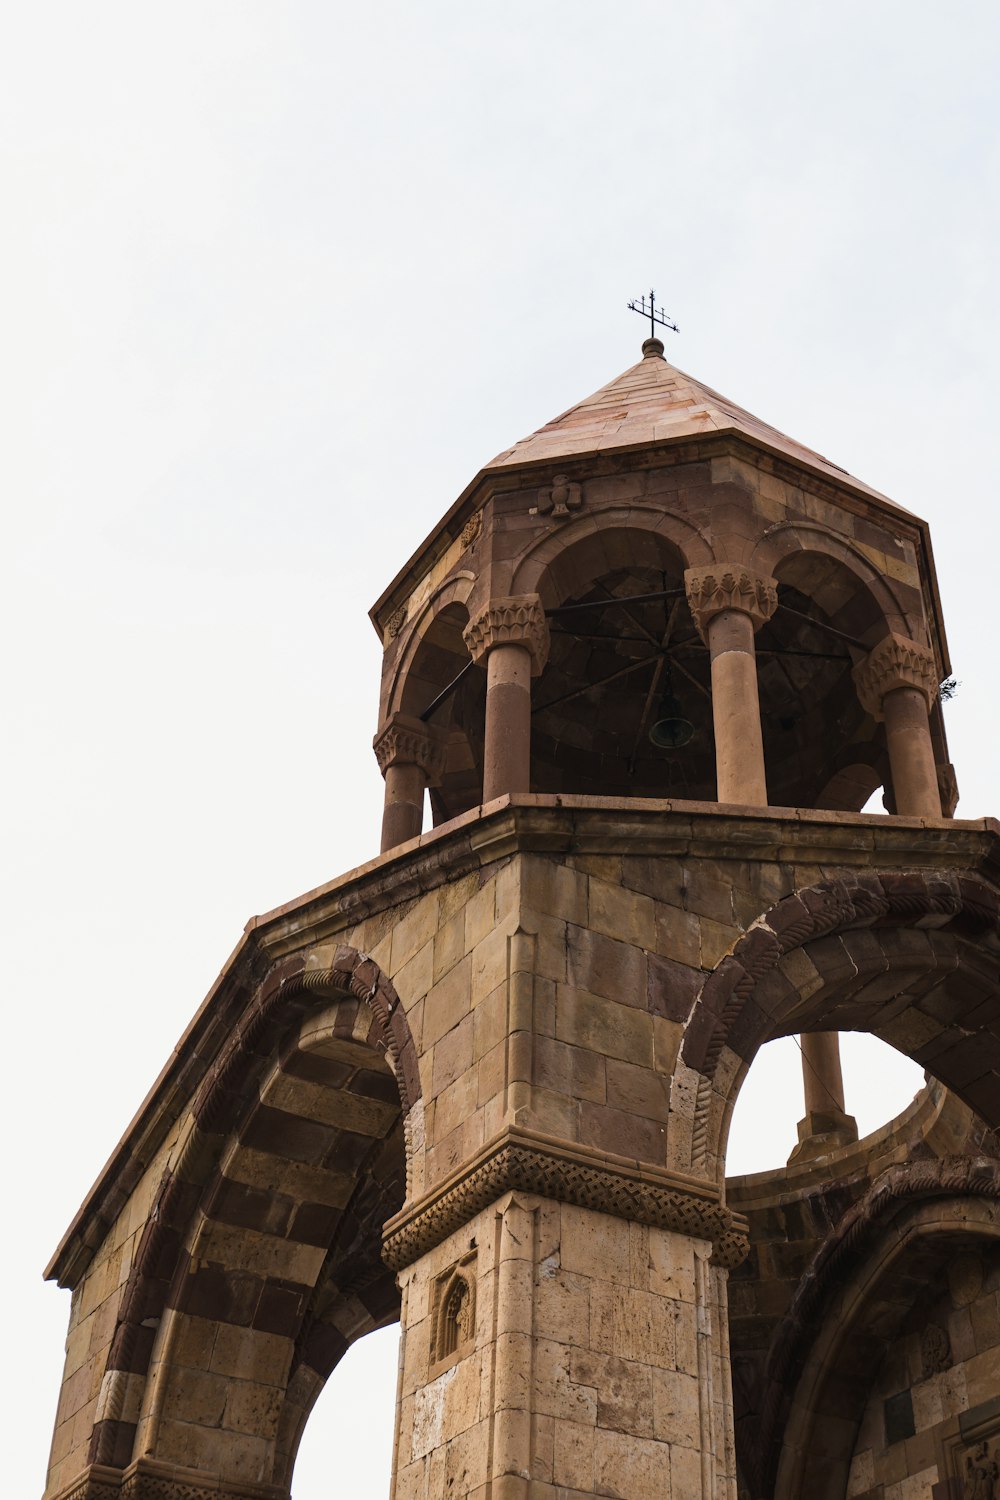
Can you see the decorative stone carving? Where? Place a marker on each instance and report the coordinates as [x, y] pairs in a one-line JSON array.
[[559, 502], [409, 740], [148, 1480], [981, 1473], [455, 1310], [395, 622], [711, 590], [471, 529], [935, 1350], [553, 1169], [518, 620], [895, 662]]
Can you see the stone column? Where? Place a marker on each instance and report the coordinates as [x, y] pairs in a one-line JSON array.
[[511, 636], [728, 606], [896, 684], [411, 756], [827, 1125]]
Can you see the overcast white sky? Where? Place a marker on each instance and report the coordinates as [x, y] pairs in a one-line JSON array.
[[275, 280]]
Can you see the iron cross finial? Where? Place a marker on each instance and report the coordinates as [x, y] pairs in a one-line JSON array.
[[651, 313]]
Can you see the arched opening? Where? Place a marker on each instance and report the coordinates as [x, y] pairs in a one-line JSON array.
[[346, 1448], [898, 1371], [880, 1084], [624, 657], [441, 662], [913, 960], [261, 1262], [820, 747]]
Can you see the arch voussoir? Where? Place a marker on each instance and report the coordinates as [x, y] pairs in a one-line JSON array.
[[907, 955]]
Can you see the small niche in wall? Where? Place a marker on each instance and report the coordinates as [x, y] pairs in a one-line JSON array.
[[455, 1316]]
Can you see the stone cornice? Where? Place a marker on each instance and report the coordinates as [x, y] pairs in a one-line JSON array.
[[518, 620], [408, 740], [894, 663], [712, 589], [521, 1161]]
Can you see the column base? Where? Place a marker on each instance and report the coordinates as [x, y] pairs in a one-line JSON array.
[[821, 1132]]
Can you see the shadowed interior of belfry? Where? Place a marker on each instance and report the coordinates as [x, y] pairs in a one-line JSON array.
[[647, 670]]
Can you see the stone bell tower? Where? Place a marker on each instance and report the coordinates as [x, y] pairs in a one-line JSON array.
[[647, 671]]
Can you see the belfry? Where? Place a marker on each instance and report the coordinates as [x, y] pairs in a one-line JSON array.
[[646, 672]]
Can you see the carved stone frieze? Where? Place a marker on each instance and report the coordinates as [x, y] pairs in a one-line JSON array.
[[554, 1169], [560, 500], [712, 589], [518, 620], [406, 739], [149, 1480], [895, 662]]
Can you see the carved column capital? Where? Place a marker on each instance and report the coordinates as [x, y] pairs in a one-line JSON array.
[[408, 740], [712, 589], [895, 662], [518, 620]]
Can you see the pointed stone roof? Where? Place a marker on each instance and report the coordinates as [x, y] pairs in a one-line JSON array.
[[654, 402]]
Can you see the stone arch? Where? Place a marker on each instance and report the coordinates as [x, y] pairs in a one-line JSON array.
[[433, 656], [260, 1257], [909, 957], [606, 672], [850, 786], [564, 561], [885, 1252], [833, 608], [452, 596], [856, 597]]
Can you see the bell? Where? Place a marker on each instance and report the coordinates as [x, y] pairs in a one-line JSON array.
[[670, 730]]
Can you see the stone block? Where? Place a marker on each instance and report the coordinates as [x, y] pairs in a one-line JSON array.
[[576, 1071], [416, 976], [556, 1393], [448, 1002], [489, 965], [588, 1020], [452, 1056], [621, 914], [604, 966], [624, 1390], [676, 1408], [480, 916], [644, 1460], [554, 889], [622, 1133], [573, 1455], [594, 1245], [562, 1305], [448, 946]]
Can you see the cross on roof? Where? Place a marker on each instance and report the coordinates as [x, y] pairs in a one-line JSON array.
[[651, 313]]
